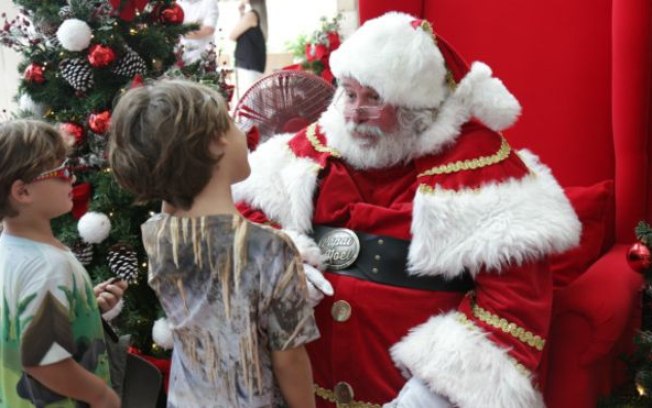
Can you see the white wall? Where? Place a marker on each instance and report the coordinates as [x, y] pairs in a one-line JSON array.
[[286, 20], [9, 77]]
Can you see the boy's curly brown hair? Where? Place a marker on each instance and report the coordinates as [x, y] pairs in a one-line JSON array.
[[160, 138]]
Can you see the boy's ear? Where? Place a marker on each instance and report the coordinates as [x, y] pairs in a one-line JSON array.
[[220, 139], [218, 143], [20, 193]]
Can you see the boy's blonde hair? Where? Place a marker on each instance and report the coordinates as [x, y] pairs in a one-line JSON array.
[[160, 138], [27, 149]]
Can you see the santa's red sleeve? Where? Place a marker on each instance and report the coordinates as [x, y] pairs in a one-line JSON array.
[[496, 214]]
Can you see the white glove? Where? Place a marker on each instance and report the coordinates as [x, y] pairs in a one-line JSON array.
[[318, 286], [415, 394]]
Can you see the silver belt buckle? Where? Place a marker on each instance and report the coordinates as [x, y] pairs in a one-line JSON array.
[[341, 247]]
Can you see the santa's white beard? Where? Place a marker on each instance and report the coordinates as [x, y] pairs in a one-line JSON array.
[[379, 150]]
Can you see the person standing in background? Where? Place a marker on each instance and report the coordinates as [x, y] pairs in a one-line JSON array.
[[250, 34], [202, 12]]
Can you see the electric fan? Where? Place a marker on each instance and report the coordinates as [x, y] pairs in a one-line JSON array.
[[283, 102]]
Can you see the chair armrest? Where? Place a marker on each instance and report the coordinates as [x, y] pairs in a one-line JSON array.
[[606, 295]]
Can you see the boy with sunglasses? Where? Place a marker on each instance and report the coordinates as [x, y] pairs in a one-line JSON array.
[[52, 347]]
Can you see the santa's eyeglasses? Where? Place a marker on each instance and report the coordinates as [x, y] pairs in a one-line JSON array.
[[368, 112], [63, 172]]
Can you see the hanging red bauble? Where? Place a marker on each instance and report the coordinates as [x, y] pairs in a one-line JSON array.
[[73, 129], [81, 196], [34, 73], [100, 56], [172, 14], [127, 9], [638, 257], [99, 122]]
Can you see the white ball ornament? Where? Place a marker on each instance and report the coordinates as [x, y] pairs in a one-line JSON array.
[[94, 227], [162, 333], [27, 104], [74, 34]]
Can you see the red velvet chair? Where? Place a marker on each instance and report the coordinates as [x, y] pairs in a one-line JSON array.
[[581, 70]]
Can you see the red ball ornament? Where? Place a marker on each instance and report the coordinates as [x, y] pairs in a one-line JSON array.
[[73, 129], [99, 122], [172, 14], [100, 56], [638, 257], [34, 73]]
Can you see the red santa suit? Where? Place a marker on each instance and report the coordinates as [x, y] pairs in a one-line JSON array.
[[476, 218]]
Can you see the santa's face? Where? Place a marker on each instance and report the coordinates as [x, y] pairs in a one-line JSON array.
[[367, 132], [365, 113]]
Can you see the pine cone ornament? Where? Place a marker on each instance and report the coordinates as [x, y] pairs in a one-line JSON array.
[[66, 12], [123, 262], [52, 41], [77, 73], [83, 252], [129, 64]]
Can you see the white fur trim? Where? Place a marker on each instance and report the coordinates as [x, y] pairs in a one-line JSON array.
[[512, 222], [461, 363], [114, 311], [280, 184], [390, 55], [308, 248]]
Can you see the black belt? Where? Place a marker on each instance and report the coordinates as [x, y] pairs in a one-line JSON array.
[[383, 260]]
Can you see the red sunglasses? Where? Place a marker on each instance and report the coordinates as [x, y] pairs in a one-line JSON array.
[[63, 172]]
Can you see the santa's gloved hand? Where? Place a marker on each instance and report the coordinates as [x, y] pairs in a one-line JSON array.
[[318, 286], [415, 394]]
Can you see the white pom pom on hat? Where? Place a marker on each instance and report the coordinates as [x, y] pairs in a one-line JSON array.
[[94, 227], [74, 35], [162, 333], [409, 66]]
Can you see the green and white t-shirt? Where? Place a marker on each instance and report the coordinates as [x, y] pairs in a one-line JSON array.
[[48, 313]]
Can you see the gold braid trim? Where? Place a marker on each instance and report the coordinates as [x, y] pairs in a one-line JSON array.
[[511, 328], [316, 144], [329, 396], [471, 164], [461, 317]]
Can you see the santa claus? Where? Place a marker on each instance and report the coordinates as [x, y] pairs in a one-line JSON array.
[[431, 231]]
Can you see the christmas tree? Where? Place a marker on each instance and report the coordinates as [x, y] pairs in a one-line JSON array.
[[78, 57], [639, 392]]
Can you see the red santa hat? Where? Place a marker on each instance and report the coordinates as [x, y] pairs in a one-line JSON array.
[[409, 66]]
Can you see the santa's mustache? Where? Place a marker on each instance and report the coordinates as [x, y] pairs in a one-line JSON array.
[[362, 128]]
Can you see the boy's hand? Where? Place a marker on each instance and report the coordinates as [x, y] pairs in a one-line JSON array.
[[109, 293]]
